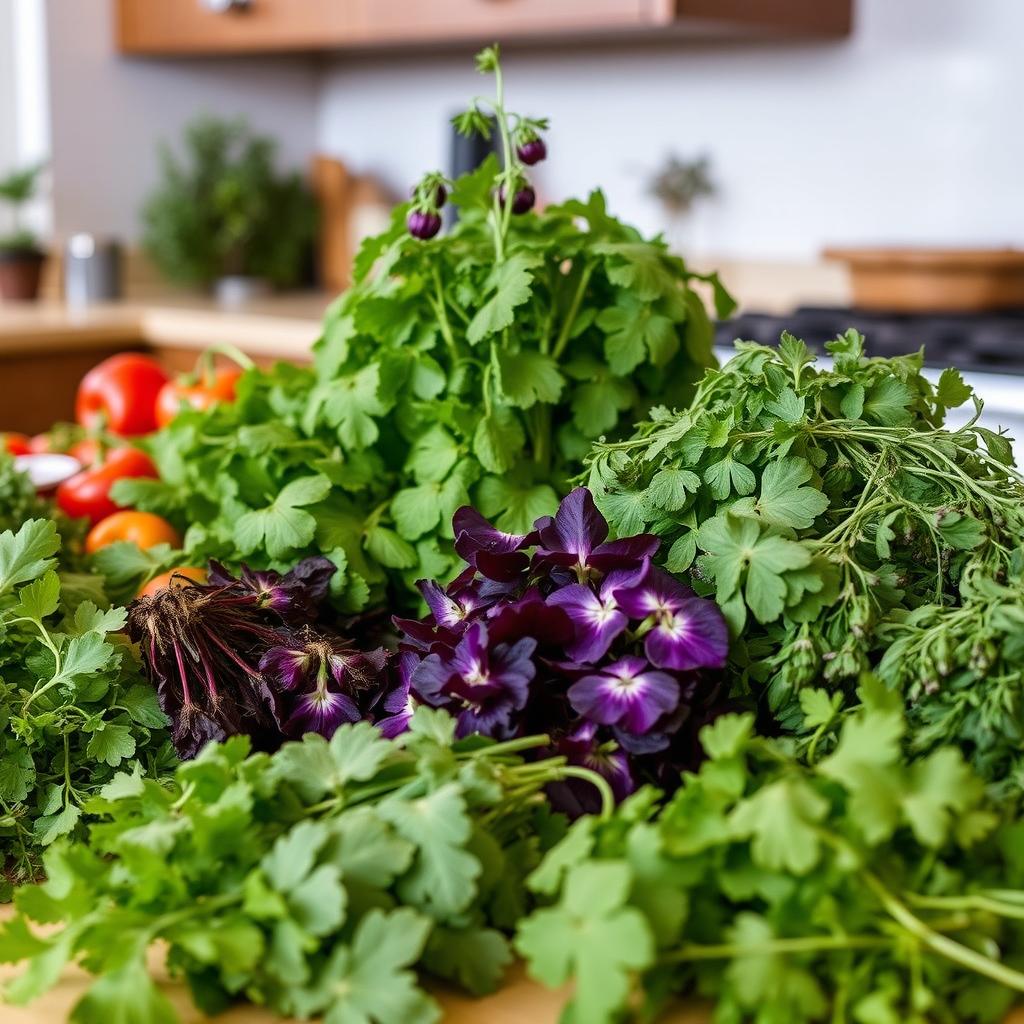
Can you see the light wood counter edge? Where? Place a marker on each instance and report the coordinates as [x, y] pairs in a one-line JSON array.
[[283, 330]]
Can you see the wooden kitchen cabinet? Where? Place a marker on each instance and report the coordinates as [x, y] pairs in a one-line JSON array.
[[251, 26], [209, 26]]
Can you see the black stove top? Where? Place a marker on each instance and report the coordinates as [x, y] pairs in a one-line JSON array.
[[968, 341]]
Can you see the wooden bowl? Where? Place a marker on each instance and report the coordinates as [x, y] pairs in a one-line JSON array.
[[934, 280]]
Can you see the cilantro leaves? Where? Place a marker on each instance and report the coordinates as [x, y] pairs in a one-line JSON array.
[[784, 890], [312, 880], [74, 706]]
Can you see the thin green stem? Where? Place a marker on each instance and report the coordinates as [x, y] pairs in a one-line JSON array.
[[570, 318], [802, 944], [942, 944]]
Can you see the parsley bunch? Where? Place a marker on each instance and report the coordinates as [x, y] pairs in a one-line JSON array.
[[861, 888], [310, 881], [73, 706], [475, 367], [832, 514]]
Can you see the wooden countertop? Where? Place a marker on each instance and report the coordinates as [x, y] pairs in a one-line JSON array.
[[281, 327]]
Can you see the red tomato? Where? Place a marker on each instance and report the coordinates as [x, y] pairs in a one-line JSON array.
[[87, 494], [144, 528], [121, 393], [16, 444], [174, 578], [201, 395]]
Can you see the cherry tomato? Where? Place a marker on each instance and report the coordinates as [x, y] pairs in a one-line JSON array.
[[144, 528], [87, 494], [16, 444], [120, 394], [173, 579], [199, 395]]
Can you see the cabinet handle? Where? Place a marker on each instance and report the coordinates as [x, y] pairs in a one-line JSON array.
[[226, 6]]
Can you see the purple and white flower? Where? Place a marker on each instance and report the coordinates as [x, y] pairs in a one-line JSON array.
[[576, 538], [682, 631], [628, 693]]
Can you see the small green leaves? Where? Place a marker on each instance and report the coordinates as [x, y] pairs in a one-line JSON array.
[[284, 525], [511, 288], [742, 555], [528, 377], [26, 554], [783, 501], [591, 935]]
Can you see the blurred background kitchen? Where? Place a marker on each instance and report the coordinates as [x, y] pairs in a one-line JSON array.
[[183, 172]]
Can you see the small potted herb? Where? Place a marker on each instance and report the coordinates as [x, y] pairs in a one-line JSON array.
[[224, 218], [21, 258]]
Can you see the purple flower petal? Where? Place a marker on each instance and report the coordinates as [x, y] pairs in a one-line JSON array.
[[530, 616], [627, 693], [399, 704], [321, 711], [695, 636], [656, 592], [498, 555], [575, 538], [289, 668], [596, 620], [296, 596], [576, 529]]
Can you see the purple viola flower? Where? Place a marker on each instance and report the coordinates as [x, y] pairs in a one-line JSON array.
[[584, 746], [628, 693], [685, 632], [487, 682], [321, 711], [498, 555], [576, 538], [596, 616], [399, 704], [321, 682], [530, 616], [295, 596]]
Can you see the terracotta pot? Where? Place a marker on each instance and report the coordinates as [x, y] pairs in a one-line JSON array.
[[934, 280], [20, 271]]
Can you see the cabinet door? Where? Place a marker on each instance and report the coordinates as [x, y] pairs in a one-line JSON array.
[[403, 21], [219, 26]]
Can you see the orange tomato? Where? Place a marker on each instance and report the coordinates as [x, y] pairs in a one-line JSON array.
[[144, 528], [203, 394], [174, 578]]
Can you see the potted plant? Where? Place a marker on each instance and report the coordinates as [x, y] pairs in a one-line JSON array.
[[223, 217], [21, 259]]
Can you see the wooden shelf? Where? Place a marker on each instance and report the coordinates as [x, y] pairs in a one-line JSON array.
[[183, 27]]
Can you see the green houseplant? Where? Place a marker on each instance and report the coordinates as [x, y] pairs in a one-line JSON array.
[[223, 216], [21, 258]]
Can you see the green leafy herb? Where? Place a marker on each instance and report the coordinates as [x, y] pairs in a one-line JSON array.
[[863, 887], [73, 704], [474, 367], [310, 881], [841, 527]]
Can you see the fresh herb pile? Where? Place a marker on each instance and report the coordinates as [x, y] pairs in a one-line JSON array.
[[861, 887], [585, 640], [310, 881], [245, 655], [474, 367], [839, 524], [74, 706]]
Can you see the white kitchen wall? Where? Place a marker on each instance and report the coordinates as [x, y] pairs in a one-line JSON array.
[[909, 131], [24, 113], [109, 113]]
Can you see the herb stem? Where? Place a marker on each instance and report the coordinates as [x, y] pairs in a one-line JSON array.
[[570, 317], [776, 947], [942, 944]]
